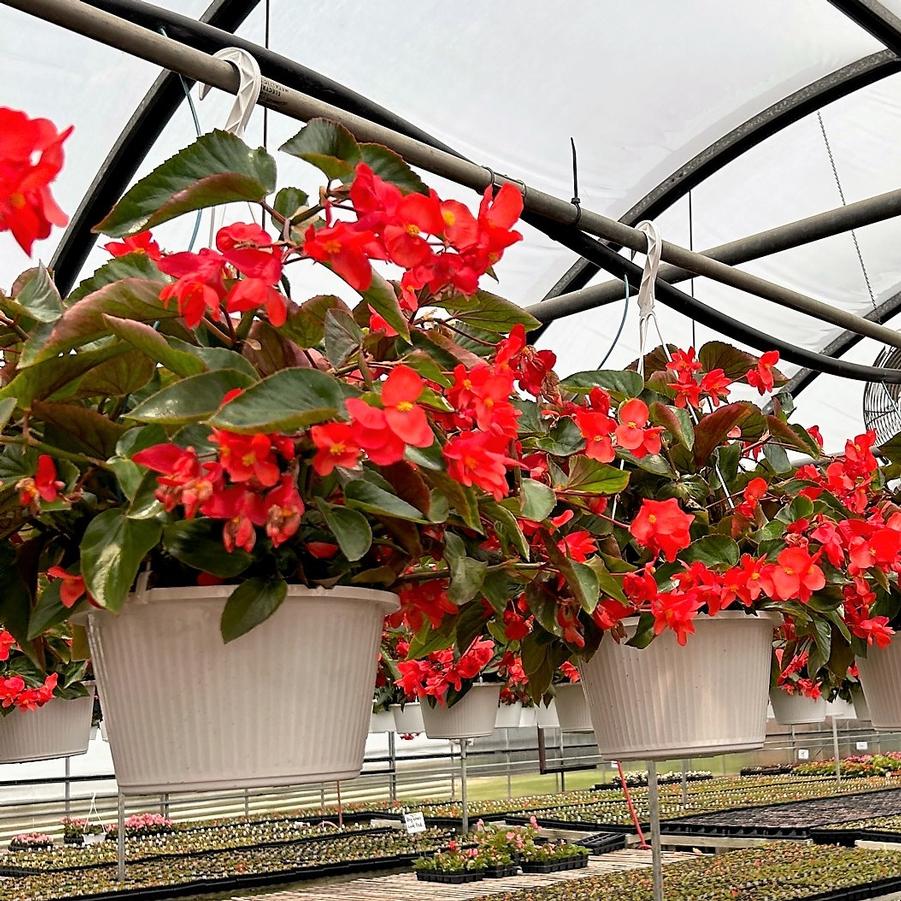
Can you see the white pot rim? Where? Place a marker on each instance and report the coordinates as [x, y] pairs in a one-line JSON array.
[[772, 615], [405, 706], [217, 593]]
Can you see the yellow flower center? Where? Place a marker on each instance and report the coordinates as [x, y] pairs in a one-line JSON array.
[[17, 201], [405, 406], [332, 247], [336, 449], [412, 230], [448, 217], [652, 519]]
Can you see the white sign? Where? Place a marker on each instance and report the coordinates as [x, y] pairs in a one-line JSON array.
[[803, 754], [415, 822], [862, 746], [613, 765]]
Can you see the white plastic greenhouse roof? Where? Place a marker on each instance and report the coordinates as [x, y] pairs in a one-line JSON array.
[[643, 87]]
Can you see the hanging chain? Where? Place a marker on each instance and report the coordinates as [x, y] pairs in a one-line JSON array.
[[841, 194]]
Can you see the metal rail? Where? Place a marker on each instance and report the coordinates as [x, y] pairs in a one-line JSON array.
[[155, 48], [742, 250]]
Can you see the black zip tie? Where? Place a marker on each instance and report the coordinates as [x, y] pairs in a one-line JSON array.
[[576, 202]]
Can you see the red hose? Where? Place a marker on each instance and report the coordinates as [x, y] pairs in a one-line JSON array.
[[641, 842]]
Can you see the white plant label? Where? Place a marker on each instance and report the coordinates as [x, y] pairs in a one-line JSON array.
[[613, 765], [803, 754], [862, 746], [415, 822]]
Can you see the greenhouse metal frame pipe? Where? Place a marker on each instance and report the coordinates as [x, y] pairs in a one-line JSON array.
[[607, 258], [134, 39], [875, 18], [742, 250], [838, 84], [147, 122]]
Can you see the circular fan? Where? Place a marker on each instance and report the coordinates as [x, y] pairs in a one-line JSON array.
[[881, 410]]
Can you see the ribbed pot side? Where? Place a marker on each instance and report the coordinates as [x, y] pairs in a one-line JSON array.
[[285, 704]]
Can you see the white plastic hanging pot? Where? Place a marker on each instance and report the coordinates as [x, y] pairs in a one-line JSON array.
[[861, 708], [547, 715], [58, 729], [471, 717], [508, 716], [572, 708], [840, 709], [383, 721], [668, 701], [408, 719], [103, 733], [880, 679], [529, 718], [796, 709], [285, 704]]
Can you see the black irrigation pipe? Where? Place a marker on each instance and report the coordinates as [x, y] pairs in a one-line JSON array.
[[552, 226], [677, 300]]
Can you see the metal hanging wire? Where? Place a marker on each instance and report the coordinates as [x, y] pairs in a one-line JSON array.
[[881, 404]]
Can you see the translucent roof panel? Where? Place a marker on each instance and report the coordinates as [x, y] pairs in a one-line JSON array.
[[642, 87]]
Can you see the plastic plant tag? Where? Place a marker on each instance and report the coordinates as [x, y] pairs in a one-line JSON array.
[[861, 746], [414, 822], [803, 754]]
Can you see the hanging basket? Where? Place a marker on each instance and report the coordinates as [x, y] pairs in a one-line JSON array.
[[572, 708], [529, 718], [408, 718], [797, 709], [58, 729], [472, 716], [880, 679], [668, 701], [546, 716], [286, 704], [383, 721], [861, 708], [508, 716]]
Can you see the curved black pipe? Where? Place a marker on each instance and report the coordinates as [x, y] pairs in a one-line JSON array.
[[146, 124], [605, 257], [836, 348], [749, 134]]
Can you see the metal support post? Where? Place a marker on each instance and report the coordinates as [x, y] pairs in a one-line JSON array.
[[120, 839], [453, 774], [322, 797], [684, 784], [340, 807], [246, 803], [654, 804], [562, 764], [507, 756], [835, 751], [164, 804], [392, 776], [464, 793], [68, 787]]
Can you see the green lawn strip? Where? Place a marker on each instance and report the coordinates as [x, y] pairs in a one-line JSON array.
[[286, 858], [777, 871]]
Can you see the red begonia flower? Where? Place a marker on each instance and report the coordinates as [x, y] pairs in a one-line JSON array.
[[662, 527], [142, 242], [335, 446]]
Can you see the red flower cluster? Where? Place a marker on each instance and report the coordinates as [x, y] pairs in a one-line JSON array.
[[14, 692], [207, 282], [662, 527], [483, 411], [31, 156], [7, 643], [72, 587], [631, 430], [690, 390], [421, 601], [142, 242], [245, 485], [439, 243], [43, 486], [434, 675]]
